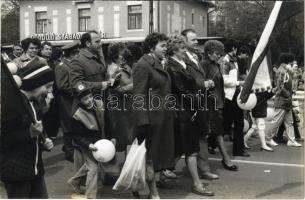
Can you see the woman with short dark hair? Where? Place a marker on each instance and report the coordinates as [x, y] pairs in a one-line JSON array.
[[153, 120]]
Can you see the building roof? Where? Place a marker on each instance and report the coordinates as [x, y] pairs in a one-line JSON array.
[[207, 3]]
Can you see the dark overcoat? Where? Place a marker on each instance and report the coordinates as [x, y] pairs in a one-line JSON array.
[[198, 74], [216, 96], [62, 81], [187, 130], [122, 118], [184, 87], [89, 69], [152, 85]]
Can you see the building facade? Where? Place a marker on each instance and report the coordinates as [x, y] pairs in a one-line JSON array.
[[59, 21]]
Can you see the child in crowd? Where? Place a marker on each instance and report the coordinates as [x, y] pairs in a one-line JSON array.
[[87, 127]]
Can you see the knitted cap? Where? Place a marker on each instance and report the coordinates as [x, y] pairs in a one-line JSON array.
[[35, 74]]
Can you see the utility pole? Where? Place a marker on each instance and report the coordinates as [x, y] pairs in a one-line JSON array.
[[151, 16]]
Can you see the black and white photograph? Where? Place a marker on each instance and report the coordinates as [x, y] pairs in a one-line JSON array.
[[153, 99]]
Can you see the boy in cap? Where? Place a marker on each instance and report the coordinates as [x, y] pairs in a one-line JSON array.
[[22, 140], [87, 126]]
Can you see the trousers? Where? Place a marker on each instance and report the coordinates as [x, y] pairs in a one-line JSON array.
[[89, 170], [32, 189], [233, 114], [281, 116]]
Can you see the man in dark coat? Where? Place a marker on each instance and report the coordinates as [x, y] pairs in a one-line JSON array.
[[89, 66], [17, 52], [46, 51], [62, 81], [196, 70]]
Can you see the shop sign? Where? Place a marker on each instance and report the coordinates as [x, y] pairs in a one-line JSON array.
[[62, 36]]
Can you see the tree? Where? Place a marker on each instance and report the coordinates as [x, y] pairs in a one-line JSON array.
[[245, 21], [10, 22]]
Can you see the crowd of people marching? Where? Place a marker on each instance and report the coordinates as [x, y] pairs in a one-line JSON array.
[[179, 98]]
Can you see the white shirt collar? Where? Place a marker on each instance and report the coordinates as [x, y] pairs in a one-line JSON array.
[[181, 62], [191, 57]]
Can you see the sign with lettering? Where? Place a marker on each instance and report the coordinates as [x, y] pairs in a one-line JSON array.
[[62, 36]]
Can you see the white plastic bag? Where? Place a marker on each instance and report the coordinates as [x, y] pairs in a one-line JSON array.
[[132, 176]]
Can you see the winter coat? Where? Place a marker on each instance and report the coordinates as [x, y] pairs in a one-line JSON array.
[[152, 83], [199, 75], [216, 95], [87, 125], [20, 153], [23, 60], [89, 69], [122, 118], [62, 81], [183, 84]]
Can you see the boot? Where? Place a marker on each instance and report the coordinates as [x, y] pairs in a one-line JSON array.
[[262, 138]]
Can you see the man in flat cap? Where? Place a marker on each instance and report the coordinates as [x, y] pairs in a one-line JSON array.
[[62, 81]]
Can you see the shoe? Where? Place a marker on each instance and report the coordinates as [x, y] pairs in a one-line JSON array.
[[246, 145], [136, 195], [208, 175], [271, 142], [76, 188], [153, 197], [293, 144], [231, 168], [164, 184], [203, 190], [211, 150], [243, 154], [281, 140], [77, 196], [169, 174], [266, 149], [63, 148], [69, 157], [299, 139]]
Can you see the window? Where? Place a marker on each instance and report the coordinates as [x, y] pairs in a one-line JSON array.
[[134, 17], [41, 22], [83, 19]]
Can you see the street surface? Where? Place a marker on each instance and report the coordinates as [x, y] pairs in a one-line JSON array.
[[264, 175]]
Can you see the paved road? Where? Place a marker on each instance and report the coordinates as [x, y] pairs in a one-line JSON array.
[[264, 175]]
